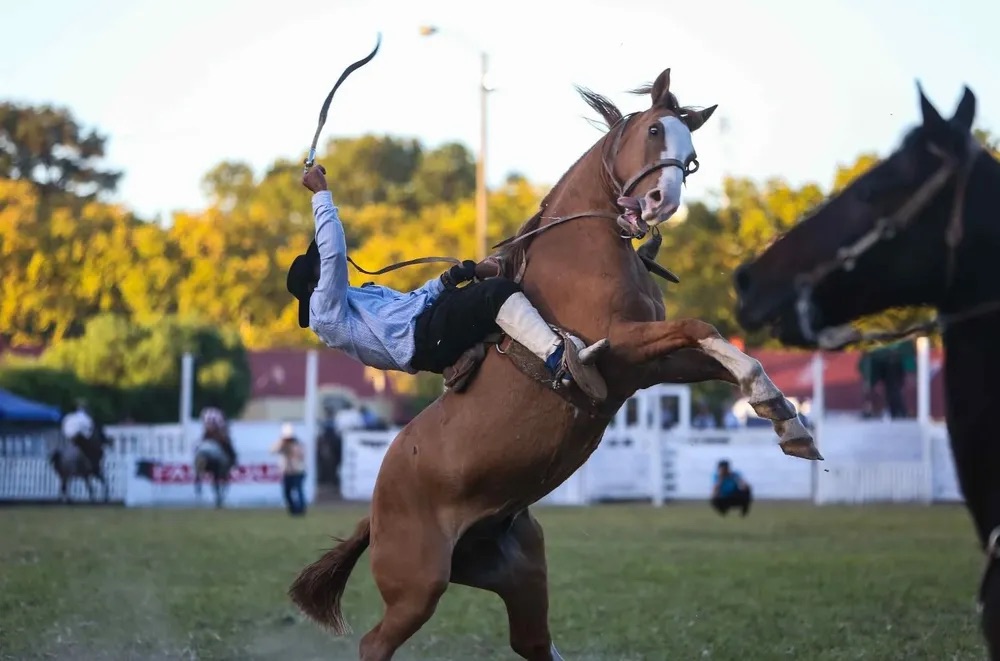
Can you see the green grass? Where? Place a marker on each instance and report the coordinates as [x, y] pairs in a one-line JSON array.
[[627, 582]]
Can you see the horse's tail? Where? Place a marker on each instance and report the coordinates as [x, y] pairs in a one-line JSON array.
[[319, 587], [55, 458]]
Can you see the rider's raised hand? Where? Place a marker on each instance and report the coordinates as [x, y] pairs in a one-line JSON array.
[[314, 179], [459, 273]]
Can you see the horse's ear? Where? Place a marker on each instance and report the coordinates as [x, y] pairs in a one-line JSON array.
[[966, 111], [932, 118], [696, 118], [661, 89]]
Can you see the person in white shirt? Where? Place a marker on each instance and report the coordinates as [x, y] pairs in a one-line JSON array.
[[78, 426]]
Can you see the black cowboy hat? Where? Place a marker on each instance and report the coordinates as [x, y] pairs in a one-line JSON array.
[[303, 275]]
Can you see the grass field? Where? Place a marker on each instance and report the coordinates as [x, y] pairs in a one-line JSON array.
[[627, 582]]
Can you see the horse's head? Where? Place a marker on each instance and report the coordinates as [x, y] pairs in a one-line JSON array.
[[889, 239], [649, 154]]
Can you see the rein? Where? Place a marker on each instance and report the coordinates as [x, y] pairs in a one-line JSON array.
[[404, 264], [885, 228]]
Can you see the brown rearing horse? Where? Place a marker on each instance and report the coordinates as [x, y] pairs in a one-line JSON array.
[[451, 500]]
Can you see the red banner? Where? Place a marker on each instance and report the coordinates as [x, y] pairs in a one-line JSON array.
[[178, 473]]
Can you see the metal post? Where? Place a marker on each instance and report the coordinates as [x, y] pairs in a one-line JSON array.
[[309, 423], [924, 414], [817, 411], [187, 394], [482, 204]]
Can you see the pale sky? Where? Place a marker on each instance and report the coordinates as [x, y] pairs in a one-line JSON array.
[[180, 85]]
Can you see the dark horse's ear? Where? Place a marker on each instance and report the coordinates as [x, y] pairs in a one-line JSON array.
[[697, 118], [966, 111], [932, 118], [661, 89]]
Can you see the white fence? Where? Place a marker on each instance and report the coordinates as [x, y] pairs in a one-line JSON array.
[[643, 457], [649, 452], [151, 465]]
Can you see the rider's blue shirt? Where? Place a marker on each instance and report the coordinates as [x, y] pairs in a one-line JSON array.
[[372, 324]]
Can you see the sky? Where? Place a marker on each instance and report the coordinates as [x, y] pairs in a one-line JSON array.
[[802, 87]]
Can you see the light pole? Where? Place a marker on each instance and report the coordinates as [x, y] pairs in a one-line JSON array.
[[482, 210]]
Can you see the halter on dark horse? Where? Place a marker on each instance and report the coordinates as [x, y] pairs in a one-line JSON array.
[[921, 228]]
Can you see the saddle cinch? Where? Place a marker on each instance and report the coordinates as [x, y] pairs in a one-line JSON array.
[[457, 377]]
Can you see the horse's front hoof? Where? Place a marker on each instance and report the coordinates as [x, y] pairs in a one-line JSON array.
[[804, 448]]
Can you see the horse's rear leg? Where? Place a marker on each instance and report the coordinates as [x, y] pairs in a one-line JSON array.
[[642, 343], [104, 485], [411, 563], [512, 565]]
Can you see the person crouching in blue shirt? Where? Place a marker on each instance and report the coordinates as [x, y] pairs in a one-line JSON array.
[[730, 490], [427, 329]]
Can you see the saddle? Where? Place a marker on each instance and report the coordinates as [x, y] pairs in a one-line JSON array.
[[457, 377]]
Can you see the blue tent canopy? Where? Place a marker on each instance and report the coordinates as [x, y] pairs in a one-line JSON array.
[[19, 409]]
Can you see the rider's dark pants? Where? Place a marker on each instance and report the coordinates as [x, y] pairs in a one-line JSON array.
[[457, 320]]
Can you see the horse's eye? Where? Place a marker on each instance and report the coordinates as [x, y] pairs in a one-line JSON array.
[[654, 130]]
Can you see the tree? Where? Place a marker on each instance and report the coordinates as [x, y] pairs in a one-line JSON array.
[[47, 146], [446, 174], [133, 370], [988, 140]]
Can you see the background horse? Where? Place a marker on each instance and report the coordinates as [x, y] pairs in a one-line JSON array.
[[211, 457], [84, 462], [921, 228], [451, 500]]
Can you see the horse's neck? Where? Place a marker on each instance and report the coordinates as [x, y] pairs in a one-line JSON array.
[[584, 187], [977, 270], [972, 358]]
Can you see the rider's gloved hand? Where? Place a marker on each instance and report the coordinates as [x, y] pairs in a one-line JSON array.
[[458, 274]]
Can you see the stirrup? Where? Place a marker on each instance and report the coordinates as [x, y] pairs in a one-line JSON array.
[[586, 377]]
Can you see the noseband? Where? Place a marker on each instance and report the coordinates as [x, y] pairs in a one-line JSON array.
[[885, 228]]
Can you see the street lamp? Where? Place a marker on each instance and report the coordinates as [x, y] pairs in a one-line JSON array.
[[481, 201]]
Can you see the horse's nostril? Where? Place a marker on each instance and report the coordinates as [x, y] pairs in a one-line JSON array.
[[655, 196]]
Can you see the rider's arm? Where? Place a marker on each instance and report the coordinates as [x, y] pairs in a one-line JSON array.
[[434, 286], [328, 303]]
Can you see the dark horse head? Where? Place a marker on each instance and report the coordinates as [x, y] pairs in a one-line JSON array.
[[921, 228], [914, 230]]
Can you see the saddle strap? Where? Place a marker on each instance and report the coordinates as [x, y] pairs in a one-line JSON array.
[[533, 366]]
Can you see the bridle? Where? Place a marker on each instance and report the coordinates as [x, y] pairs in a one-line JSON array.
[[884, 229], [629, 229]]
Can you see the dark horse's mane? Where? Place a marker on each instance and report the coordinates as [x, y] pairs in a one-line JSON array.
[[512, 255]]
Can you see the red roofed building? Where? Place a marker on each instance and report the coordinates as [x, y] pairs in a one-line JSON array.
[[791, 372], [279, 384]]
